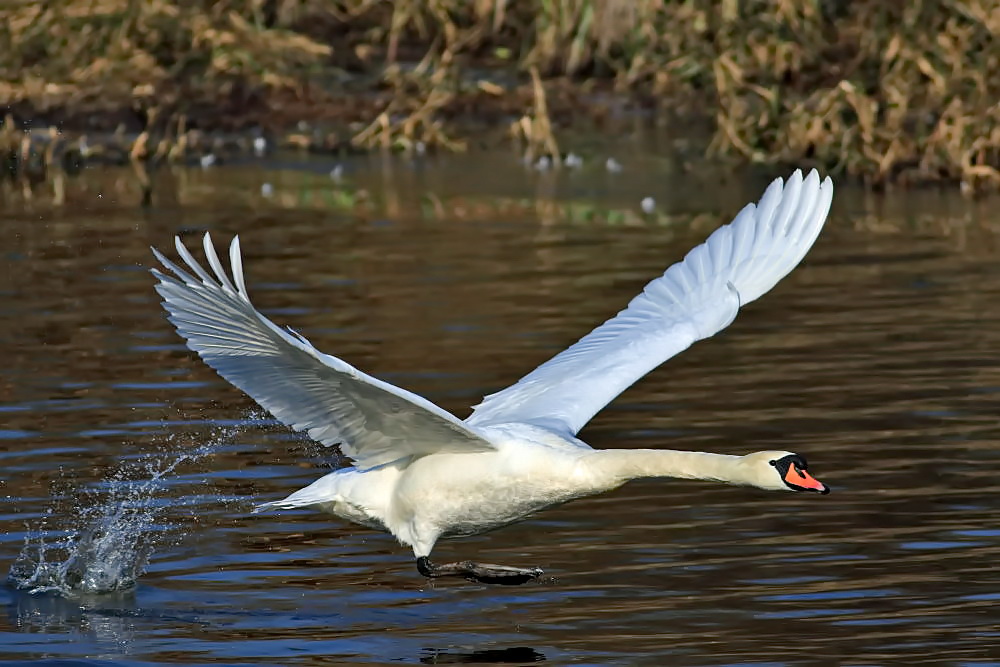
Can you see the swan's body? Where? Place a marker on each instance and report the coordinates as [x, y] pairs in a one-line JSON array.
[[422, 474]]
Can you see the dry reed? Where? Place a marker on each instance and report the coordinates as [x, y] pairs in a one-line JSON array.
[[881, 91]]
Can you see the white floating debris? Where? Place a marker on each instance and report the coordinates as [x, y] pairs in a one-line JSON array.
[[612, 165], [420, 147], [648, 205], [573, 161], [259, 145], [267, 189], [543, 163], [337, 172], [207, 160]]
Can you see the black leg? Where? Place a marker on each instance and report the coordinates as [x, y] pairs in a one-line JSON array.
[[482, 572]]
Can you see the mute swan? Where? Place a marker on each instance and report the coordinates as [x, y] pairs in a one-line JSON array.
[[421, 473]]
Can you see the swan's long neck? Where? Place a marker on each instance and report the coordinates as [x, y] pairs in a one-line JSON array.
[[615, 467]]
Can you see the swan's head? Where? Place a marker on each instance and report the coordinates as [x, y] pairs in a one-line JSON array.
[[782, 471]]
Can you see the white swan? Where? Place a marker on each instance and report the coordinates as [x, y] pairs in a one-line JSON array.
[[421, 473]]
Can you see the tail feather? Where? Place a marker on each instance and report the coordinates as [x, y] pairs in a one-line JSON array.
[[316, 493]]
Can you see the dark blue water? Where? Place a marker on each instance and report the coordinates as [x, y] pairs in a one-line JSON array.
[[878, 359]]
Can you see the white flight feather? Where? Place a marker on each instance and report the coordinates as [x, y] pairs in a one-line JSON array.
[[694, 299], [374, 422]]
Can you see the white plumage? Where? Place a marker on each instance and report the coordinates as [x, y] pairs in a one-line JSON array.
[[335, 403], [420, 472], [694, 299]]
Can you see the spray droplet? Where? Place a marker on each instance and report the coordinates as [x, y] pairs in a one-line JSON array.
[[116, 537]]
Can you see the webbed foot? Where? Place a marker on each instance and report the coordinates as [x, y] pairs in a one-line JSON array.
[[485, 573]]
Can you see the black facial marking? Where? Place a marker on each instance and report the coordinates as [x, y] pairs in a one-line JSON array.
[[783, 463], [794, 461]]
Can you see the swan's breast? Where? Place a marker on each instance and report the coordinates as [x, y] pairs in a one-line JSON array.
[[470, 493]]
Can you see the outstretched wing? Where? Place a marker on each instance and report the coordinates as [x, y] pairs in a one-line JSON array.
[[694, 299], [335, 403]]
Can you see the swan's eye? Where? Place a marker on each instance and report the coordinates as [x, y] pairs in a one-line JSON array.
[[774, 463]]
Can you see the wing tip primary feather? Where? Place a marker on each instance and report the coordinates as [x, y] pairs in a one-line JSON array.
[[213, 261], [220, 280], [738, 263], [236, 264]]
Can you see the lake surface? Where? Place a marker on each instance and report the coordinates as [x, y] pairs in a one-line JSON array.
[[878, 359]]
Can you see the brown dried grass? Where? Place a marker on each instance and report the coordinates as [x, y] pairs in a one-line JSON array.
[[886, 92]]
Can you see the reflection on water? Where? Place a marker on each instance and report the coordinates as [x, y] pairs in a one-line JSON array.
[[877, 359]]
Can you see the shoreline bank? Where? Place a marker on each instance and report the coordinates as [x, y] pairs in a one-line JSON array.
[[880, 93]]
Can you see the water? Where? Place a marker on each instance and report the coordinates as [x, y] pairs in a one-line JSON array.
[[110, 536], [877, 359]]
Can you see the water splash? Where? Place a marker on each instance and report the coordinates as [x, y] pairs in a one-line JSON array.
[[118, 536]]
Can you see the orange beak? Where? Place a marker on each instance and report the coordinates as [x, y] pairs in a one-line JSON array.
[[803, 480]]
